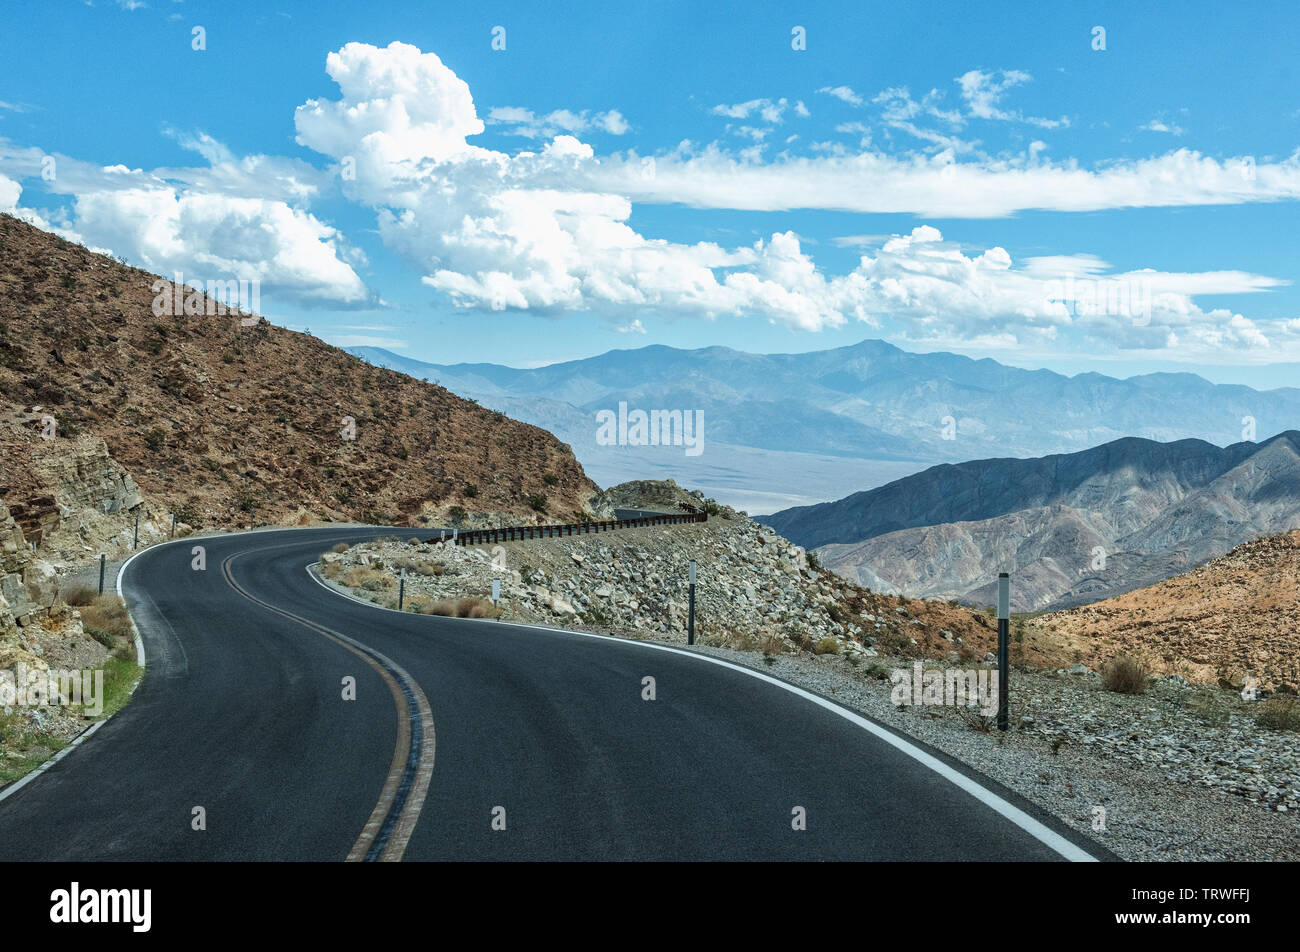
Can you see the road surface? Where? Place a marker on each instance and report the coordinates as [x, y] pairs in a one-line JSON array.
[[461, 726]]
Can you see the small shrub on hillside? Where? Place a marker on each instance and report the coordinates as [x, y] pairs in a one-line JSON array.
[[341, 547], [462, 608], [106, 620], [537, 502], [1209, 709], [80, 595], [1278, 714], [826, 646], [1124, 674]]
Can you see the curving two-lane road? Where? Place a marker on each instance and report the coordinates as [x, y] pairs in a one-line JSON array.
[[241, 712]]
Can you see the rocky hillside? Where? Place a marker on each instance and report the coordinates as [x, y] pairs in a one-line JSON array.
[[1234, 616], [222, 423], [755, 589], [1070, 528]]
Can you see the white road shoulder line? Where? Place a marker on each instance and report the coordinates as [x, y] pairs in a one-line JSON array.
[[1019, 817], [19, 784]]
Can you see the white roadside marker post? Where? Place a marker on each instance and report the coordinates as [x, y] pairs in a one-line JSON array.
[[690, 618], [1004, 623]]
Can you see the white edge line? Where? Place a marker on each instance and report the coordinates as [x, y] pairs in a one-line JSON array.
[[1035, 828], [139, 641], [19, 784], [139, 659]]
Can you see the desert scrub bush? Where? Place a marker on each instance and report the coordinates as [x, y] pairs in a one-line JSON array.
[[550, 479], [537, 502], [771, 645], [331, 570], [359, 576], [826, 646], [462, 608], [155, 439], [106, 620], [1124, 674], [341, 548], [1210, 709], [730, 638], [814, 563], [800, 638], [470, 491], [977, 720], [430, 568], [79, 595], [1278, 714]]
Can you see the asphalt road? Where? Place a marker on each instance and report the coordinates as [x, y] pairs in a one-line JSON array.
[[458, 723]]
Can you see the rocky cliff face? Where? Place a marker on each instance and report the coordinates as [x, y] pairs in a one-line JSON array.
[[69, 496], [29, 588], [1070, 528]]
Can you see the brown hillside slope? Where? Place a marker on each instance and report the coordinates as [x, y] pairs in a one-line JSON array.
[[220, 421], [1235, 615]]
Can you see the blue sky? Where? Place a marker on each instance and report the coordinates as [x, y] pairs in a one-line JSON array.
[[945, 176]]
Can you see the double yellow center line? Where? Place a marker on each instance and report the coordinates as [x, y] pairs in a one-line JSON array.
[[388, 831]]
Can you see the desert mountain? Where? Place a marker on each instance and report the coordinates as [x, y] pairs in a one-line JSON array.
[[216, 421], [1231, 617], [788, 429], [1070, 528]]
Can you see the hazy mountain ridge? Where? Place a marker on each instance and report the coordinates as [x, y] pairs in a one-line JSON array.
[[1071, 528], [869, 402]]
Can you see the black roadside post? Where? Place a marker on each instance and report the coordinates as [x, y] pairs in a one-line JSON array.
[[401, 590], [136, 541], [101, 573], [1004, 624], [690, 619]]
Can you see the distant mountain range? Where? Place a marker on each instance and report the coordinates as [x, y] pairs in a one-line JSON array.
[[783, 429], [1070, 528]]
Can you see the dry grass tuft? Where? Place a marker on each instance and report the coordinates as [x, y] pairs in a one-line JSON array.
[[79, 595], [462, 608], [1278, 714], [1125, 674]]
